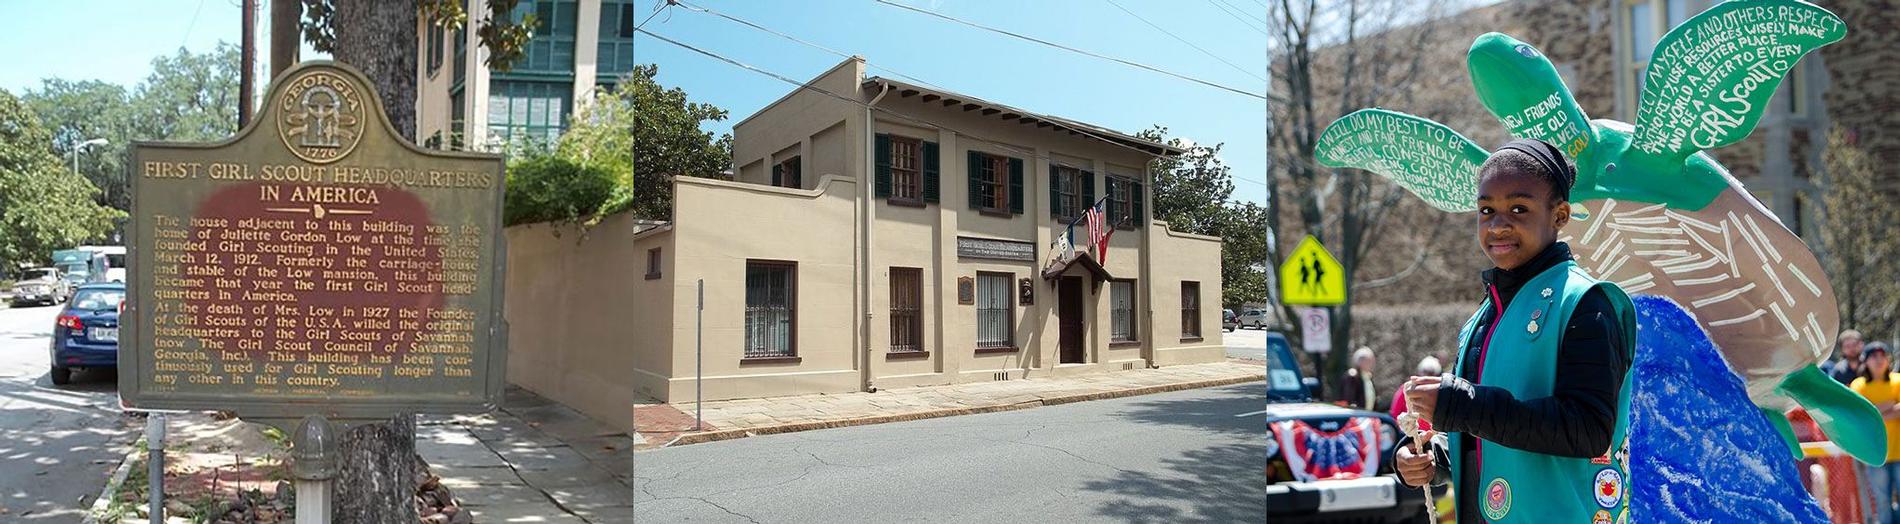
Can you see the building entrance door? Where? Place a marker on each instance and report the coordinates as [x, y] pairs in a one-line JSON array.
[[1074, 332]]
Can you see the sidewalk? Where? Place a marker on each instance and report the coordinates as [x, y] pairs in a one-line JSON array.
[[532, 461], [659, 425]]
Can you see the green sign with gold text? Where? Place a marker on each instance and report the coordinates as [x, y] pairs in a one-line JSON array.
[[315, 264]]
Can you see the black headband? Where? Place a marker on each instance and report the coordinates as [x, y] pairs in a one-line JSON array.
[[1548, 156]]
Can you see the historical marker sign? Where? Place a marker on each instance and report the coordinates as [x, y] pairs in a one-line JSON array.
[[315, 264], [973, 247]]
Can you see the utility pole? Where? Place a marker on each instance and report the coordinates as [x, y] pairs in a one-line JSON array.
[[247, 59]]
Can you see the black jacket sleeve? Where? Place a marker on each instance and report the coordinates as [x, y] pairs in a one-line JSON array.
[[1440, 447], [1577, 420]]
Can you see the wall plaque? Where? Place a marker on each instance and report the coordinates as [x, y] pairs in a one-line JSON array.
[[966, 290], [315, 264], [1025, 292], [970, 247]]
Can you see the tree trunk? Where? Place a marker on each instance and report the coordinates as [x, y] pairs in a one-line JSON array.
[[376, 480], [379, 38], [285, 34]]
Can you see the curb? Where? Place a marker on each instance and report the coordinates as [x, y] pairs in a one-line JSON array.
[[112, 485], [729, 434]]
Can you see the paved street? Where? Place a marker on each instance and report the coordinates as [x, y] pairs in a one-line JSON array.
[[1246, 343], [58, 444], [1173, 457]]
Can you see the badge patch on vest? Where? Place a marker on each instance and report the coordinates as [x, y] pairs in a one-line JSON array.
[[1609, 489], [1497, 499], [1601, 517]]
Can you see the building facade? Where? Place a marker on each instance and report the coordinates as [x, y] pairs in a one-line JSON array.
[[876, 235], [579, 47]]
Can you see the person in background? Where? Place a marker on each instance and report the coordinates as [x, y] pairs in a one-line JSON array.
[[1845, 365], [1355, 388], [1427, 366], [1881, 387]]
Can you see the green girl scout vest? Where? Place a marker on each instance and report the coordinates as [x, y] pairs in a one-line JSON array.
[[1521, 356]]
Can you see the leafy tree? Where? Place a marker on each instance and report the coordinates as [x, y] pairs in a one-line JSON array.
[[1192, 194], [43, 204], [188, 98], [1862, 257], [546, 188], [600, 136], [667, 142]]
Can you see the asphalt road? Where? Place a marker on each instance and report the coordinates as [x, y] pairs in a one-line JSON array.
[[1187, 456], [57, 444]]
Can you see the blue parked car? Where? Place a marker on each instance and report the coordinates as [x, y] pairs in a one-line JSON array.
[[87, 332]]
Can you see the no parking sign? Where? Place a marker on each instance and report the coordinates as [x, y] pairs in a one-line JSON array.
[[1316, 327]]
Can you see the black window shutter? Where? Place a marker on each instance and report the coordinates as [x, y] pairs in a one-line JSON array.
[[975, 164], [883, 155], [1088, 190], [1055, 192], [930, 172], [1016, 185], [778, 174], [1134, 192]]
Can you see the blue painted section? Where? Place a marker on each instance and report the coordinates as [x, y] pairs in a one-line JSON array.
[[1699, 450]]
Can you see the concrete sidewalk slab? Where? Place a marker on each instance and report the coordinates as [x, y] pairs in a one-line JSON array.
[[740, 418]]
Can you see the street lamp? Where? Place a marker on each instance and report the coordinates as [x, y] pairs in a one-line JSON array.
[[83, 145]]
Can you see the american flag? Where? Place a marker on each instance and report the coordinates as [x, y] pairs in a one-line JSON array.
[[1098, 233]]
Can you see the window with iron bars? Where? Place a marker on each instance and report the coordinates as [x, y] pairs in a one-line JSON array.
[[1122, 311], [993, 311], [907, 319], [771, 309]]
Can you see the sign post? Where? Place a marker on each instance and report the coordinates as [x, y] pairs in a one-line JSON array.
[[314, 272]]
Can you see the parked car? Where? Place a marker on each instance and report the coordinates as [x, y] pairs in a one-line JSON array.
[[1327, 463], [1256, 318], [39, 286], [1228, 320], [86, 335]]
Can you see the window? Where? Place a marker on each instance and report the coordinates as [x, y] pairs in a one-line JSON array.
[[552, 48], [787, 174], [770, 309], [528, 110], [1645, 22], [460, 67], [907, 177], [653, 263], [991, 182], [994, 314], [458, 116], [1121, 307], [435, 47], [1124, 202], [907, 319], [614, 54], [1190, 310], [1071, 191]]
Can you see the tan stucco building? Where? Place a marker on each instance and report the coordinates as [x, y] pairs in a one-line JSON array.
[[942, 269]]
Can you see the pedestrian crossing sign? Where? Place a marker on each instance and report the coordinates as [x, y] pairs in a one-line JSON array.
[[1311, 277]]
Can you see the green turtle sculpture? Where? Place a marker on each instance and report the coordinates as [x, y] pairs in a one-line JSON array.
[[1651, 209]]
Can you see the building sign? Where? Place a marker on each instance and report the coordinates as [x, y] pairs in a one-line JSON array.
[[968, 247], [966, 291], [315, 264]]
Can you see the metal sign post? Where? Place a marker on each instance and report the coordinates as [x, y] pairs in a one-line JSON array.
[[699, 359], [155, 464]]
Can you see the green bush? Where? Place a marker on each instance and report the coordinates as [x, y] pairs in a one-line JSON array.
[[546, 188]]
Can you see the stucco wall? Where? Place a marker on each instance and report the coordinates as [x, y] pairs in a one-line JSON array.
[[1182, 257], [587, 328]]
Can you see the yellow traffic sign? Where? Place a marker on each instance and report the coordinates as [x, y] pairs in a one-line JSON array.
[[1311, 277]]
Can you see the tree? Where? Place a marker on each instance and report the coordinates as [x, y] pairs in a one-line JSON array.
[[600, 137], [667, 142], [1192, 193], [44, 205], [1861, 256], [1351, 58], [187, 98]]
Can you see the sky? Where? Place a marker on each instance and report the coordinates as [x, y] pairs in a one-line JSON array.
[[995, 67], [121, 37]]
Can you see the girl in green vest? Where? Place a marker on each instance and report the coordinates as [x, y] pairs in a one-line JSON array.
[[1530, 420]]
